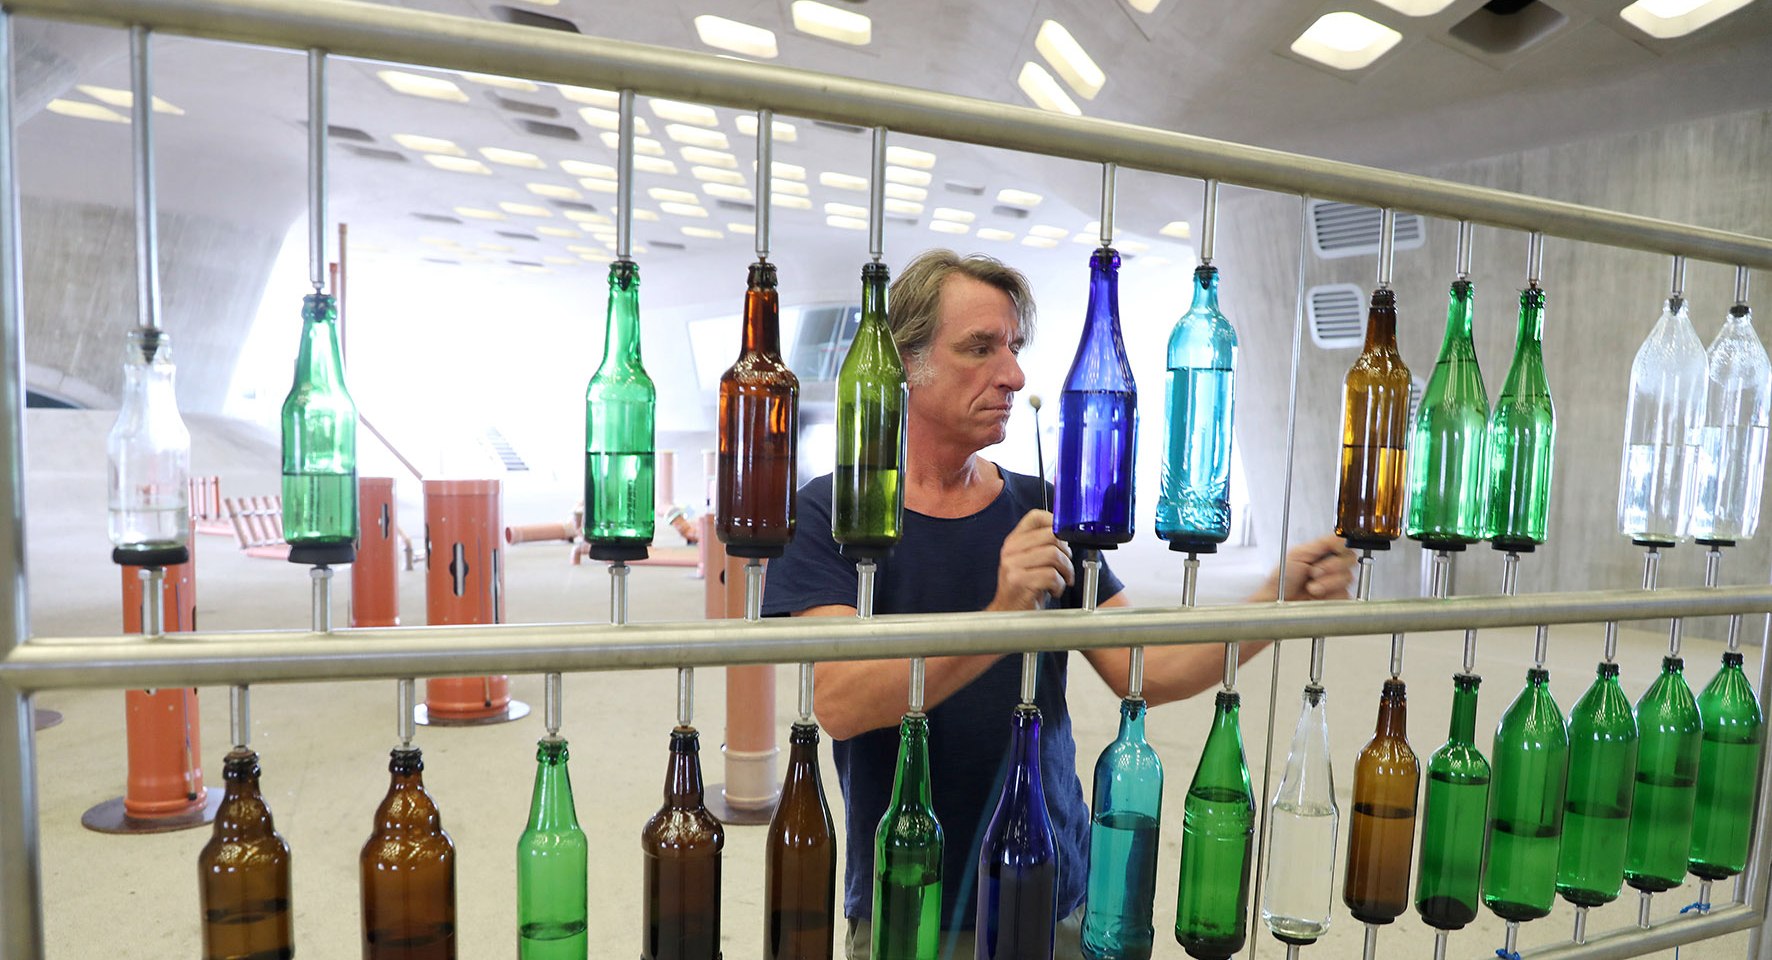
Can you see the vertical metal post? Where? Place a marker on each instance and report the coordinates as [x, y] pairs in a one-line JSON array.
[[685, 697], [877, 198], [1369, 951], [1110, 173], [1677, 288], [153, 601], [1643, 899], [1030, 677], [753, 590], [618, 593], [1580, 934], [806, 691], [321, 574], [624, 178], [1439, 945], [317, 131], [1091, 578], [864, 589], [1387, 227], [147, 222], [765, 177], [551, 689], [1209, 224], [1461, 257], [406, 706], [1741, 286], [240, 715], [1534, 258]]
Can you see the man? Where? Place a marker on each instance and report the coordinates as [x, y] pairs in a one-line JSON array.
[[975, 538]]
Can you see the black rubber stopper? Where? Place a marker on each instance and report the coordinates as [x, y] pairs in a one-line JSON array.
[[1355, 543], [617, 551], [160, 557], [1510, 545], [1715, 543], [1295, 941], [1090, 543], [1445, 546], [322, 554], [861, 551], [1193, 546], [1663, 544], [755, 552]]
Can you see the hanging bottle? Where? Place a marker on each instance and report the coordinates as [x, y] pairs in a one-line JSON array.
[[1670, 736], [1097, 423], [1522, 438], [1602, 777], [681, 845], [1448, 471], [243, 873], [1728, 771], [759, 431], [1526, 804], [800, 860], [552, 865], [1454, 814], [620, 404], [149, 450], [1018, 858], [408, 871], [320, 445], [1305, 821], [1661, 430], [1195, 505], [1731, 468], [1374, 432], [1381, 835], [1217, 842], [1128, 806], [867, 507], [907, 856]]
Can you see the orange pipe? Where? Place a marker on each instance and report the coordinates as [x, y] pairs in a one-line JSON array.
[[534, 532], [375, 575], [165, 752], [750, 753], [464, 583]]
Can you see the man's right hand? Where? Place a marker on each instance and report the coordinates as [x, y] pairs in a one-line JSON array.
[[1034, 565]]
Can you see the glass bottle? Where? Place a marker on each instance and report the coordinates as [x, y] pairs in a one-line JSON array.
[[1374, 431], [1097, 423], [1448, 471], [1728, 770], [1217, 842], [1195, 504], [149, 450], [320, 443], [408, 871], [1381, 835], [1526, 804], [1018, 857], [620, 404], [1731, 466], [1662, 425], [1670, 739], [1453, 817], [800, 860], [1602, 774], [759, 431], [1522, 438], [867, 506], [1305, 820], [552, 864], [243, 873], [1128, 806], [682, 843], [907, 856]]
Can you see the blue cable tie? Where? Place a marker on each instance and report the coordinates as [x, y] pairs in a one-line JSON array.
[[1698, 905], [1506, 954]]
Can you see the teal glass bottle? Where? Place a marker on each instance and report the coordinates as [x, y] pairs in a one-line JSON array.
[[907, 856], [1304, 822], [320, 445], [1128, 805], [1522, 436], [867, 489], [1195, 505], [1447, 467], [620, 409], [1453, 817], [552, 864], [1602, 779], [1531, 761], [1670, 735], [1217, 843], [1728, 771]]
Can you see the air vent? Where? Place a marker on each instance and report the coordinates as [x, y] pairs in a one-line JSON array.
[[337, 132], [666, 245], [1504, 27], [529, 18], [736, 205], [1346, 230], [377, 153], [962, 187], [552, 131], [1013, 213], [524, 106], [1337, 315], [437, 218], [524, 263], [839, 127], [512, 234], [1414, 398], [575, 205]]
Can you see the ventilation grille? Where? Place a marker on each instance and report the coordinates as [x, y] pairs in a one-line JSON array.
[[1337, 315], [1346, 230], [1414, 398], [506, 454]]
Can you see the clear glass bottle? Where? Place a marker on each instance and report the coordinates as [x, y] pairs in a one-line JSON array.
[[1381, 833], [149, 451], [681, 846], [1305, 821], [1670, 738], [1728, 771], [1731, 469], [620, 443], [320, 444], [1195, 505], [867, 498], [1097, 423], [1602, 778], [1448, 468], [1662, 427], [552, 865], [1217, 843], [907, 856], [1018, 858], [1531, 757], [759, 419], [1522, 438], [1453, 817], [408, 871], [243, 873], [800, 860], [1128, 806], [1374, 432]]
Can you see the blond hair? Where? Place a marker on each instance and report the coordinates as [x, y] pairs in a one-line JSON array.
[[915, 298]]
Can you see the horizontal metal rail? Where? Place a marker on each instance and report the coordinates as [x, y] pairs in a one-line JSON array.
[[184, 659], [1636, 941], [381, 32]]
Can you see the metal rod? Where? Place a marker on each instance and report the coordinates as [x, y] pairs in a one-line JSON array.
[[1109, 174], [406, 708], [685, 696], [1704, 896], [1291, 951], [551, 691], [1461, 254], [1534, 258], [1510, 939], [153, 581], [1135, 674], [317, 131], [1510, 574], [1540, 646], [864, 589], [1651, 566], [147, 207], [1363, 576], [321, 575], [1713, 565], [877, 198], [1030, 677], [1643, 900], [618, 594], [916, 699], [1741, 278], [240, 715], [1580, 934], [1370, 951], [1190, 580], [624, 177], [806, 691], [1470, 651], [1091, 579], [1318, 648], [1632, 941], [765, 177], [1387, 245], [1439, 945], [1209, 222], [753, 590], [1677, 289]]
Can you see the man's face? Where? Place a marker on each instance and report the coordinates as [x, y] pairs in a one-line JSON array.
[[965, 385]]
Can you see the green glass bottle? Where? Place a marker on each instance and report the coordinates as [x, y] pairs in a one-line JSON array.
[[1531, 754], [907, 856], [1522, 435], [1453, 814], [320, 445], [620, 407], [1602, 775], [1669, 739], [867, 508], [1447, 469], [1217, 842], [552, 857], [1728, 770]]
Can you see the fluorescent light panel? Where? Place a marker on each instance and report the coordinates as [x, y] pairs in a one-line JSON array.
[[948, 226], [611, 120], [1344, 40], [731, 178], [1018, 198], [683, 209], [1417, 8], [1178, 229], [419, 85], [787, 202], [513, 158], [726, 191], [525, 209], [954, 215], [1049, 233], [82, 110], [899, 191], [709, 158], [846, 210], [655, 165], [1666, 19], [123, 99], [1045, 91], [475, 213], [904, 208], [843, 181], [550, 231], [723, 34], [598, 186], [908, 157], [503, 83], [1068, 58], [907, 176], [832, 23], [584, 168], [846, 223], [667, 193], [590, 96], [744, 228], [790, 188], [423, 144], [1044, 243], [992, 233], [784, 131], [643, 145], [697, 136], [554, 191], [457, 164], [702, 233]]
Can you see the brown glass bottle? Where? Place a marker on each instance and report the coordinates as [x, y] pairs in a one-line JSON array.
[[408, 869], [1381, 838], [759, 432], [800, 860], [243, 873], [682, 844], [1374, 431]]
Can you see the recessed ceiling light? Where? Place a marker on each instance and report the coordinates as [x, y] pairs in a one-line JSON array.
[[846, 210], [86, 111], [1133, 246], [550, 231], [954, 215], [786, 171], [1666, 19], [1044, 243], [503, 83], [1050, 233], [554, 191], [914, 178], [496, 247], [475, 213], [1345, 40], [644, 146], [655, 165], [904, 207], [702, 233], [422, 144], [457, 164], [667, 193], [709, 158], [1178, 229], [846, 223], [787, 202], [831, 23], [123, 99], [844, 181], [590, 96], [525, 209], [1417, 8], [1144, 6], [948, 226], [676, 111], [418, 85], [684, 209], [992, 233], [584, 168], [611, 120], [439, 241], [1045, 91], [1018, 198], [784, 131], [744, 228], [648, 216], [697, 136], [899, 191], [513, 158], [598, 186], [907, 157], [789, 187], [731, 178], [726, 191], [724, 34], [586, 216], [1066, 55]]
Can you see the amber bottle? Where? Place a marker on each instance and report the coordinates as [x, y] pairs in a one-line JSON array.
[[759, 432], [243, 873], [1381, 837], [408, 871], [800, 860], [1374, 431], [681, 844]]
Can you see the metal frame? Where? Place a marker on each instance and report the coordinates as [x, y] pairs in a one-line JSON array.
[[373, 31]]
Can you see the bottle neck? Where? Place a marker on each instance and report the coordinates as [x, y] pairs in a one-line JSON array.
[[873, 297], [1205, 290], [240, 772], [911, 784], [1460, 308], [1024, 742], [1531, 333], [683, 783], [1393, 711], [762, 312], [621, 337], [1381, 322], [1103, 318], [551, 806], [1464, 710], [1132, 711], [319, 360]]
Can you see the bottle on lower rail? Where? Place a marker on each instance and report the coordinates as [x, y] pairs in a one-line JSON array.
[[1602, 781], [1670, 740], [408, 871], [1454, 813], [1381, 832], [800, 860], [1728, 768], [681, 846], [1531, 757], [1217, 843], [243, 873]]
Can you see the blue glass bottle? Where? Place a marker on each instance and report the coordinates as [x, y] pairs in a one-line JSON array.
[[1018, 859], [1195, 505], [1128, 805], [1097, 423]]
